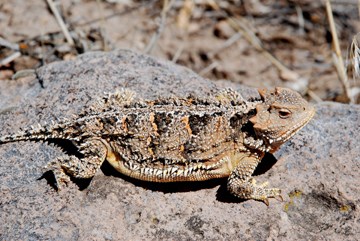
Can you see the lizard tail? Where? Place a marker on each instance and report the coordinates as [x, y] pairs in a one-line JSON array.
[[39, 133], [32, 134]]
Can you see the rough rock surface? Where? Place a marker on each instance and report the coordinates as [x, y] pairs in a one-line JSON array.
[[318, 169]]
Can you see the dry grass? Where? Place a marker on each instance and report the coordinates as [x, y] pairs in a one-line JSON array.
[[287, 36], [337, 57]]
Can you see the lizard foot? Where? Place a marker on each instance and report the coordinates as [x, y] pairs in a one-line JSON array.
[[61, 178], [251, 190]]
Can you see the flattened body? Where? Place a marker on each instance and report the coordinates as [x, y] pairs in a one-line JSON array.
[[174, 139], [160, 139]]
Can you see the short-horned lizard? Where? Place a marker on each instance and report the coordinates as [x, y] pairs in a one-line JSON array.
[[178, 139]]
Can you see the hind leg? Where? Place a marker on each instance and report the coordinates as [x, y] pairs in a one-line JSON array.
[[94, 152]]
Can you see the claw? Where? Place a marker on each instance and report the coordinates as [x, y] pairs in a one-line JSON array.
[[58, 187], [61, 183], [279, 198], [266, 201]]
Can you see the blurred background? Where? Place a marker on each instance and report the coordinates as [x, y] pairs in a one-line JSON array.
[[310, 46]]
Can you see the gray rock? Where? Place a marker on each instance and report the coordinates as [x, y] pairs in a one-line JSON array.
[[318, 169]]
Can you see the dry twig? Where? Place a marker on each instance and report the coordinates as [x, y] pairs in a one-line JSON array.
[[298, 83], [338, 60], [184, 16], [314, 96], [8, 44], [60, 22], [301, 20], [178, 53], [210, 67], [102, 26], [230, 41], [10, 58], [155, 37]]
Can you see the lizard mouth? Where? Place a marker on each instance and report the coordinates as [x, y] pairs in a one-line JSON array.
[[288, 134]]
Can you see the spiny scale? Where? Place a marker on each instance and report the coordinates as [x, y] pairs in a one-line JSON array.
[[178, 139], [37, 133]]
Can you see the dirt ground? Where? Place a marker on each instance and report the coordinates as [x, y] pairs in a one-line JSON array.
[[232, 40]]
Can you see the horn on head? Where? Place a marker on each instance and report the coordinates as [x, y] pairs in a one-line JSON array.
[[262, 93]]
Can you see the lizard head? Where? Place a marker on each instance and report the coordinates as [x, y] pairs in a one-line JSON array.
[[280, 115]]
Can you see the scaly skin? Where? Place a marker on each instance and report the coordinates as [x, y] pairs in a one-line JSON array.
[[179, 139]]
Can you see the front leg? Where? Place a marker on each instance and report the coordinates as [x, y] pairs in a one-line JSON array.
[[94, 151], [242, 185]]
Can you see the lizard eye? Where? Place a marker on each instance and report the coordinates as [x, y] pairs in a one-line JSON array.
[[284, 113]]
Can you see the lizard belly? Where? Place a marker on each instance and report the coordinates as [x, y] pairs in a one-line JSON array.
[[216, 167]]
